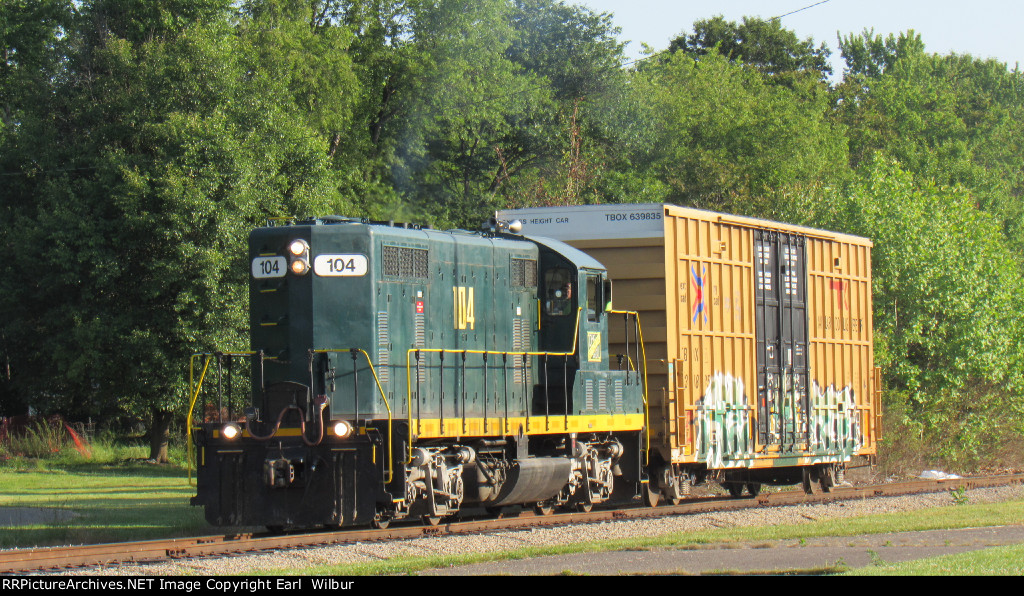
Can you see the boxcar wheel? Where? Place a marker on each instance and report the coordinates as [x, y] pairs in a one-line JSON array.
[[753, 488], [735, 489], [827, 476], [382, 523], [432, 520], [809, 480]]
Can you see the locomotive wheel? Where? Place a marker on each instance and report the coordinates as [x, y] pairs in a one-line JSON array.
[[753, 488], [735, 489], [651, 495], [546, 508]]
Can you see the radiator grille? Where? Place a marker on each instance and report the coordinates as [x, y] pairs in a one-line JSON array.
[[524, 273], [402, 261]]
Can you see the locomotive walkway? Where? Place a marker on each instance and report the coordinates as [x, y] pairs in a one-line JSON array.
[[771, 557]]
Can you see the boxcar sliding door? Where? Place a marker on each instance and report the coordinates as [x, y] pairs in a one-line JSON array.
[[780, 270]]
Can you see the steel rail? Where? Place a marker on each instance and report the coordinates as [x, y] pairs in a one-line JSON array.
[[151, 551]]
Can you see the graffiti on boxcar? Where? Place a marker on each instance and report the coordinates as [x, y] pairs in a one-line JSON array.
[[724, 421], [835, 422]]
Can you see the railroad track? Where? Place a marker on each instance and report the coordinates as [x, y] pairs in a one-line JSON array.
[[66, 557]]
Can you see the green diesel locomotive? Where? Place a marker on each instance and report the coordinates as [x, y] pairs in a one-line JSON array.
[[398, 372]]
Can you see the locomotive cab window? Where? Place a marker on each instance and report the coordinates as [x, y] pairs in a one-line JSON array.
[[559, 292], [594, 297]]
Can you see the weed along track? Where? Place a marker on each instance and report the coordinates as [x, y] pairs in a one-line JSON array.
[[96, 558]]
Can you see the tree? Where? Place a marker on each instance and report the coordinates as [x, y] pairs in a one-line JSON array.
[[173, 154], [573, 47], [385, 62], [570, 151], [870, 55], [945, 284], [953, 119], [31, 49], [763, 44], [467, 99], [727, 137], [298, 48]]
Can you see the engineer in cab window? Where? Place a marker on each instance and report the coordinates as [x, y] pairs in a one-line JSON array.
[[559, 293]]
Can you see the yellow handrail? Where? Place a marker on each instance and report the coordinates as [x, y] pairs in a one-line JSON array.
[[198, 386], [192, 405], [408, 364], [643, 356], [195, 395], [391, 471]]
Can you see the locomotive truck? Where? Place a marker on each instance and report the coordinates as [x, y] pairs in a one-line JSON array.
[[401, 372]]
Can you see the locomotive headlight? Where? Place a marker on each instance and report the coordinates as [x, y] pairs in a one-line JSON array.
[[230, 431], [298, 248], [342, 429], [298, 252]]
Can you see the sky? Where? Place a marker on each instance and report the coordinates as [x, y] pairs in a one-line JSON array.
[[982, 28]]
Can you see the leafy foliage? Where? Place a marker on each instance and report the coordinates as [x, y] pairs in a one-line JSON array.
[[732, 136], [763, 44], [945, 285], [141, 140]]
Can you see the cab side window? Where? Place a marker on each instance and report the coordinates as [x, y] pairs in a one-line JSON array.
[[594, 305], [559, 292]]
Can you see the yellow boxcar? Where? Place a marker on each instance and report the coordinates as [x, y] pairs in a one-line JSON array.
[[758, 339]]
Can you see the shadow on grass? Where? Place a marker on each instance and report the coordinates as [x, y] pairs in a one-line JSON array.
[[133, 467], [108, 520], [92, 490], [108, 502]]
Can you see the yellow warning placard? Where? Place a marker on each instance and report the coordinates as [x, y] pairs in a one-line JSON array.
[[594, 346]]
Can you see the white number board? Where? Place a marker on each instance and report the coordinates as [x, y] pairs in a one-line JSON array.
[[340, 265], [264, 267]]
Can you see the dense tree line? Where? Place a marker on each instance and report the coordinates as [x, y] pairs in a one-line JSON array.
[[141, 139]]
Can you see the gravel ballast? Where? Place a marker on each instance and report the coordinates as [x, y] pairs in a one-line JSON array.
[[361, 552]]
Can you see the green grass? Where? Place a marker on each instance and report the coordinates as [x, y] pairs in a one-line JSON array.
[[963, 516], [1000, 560], [114, 496]]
